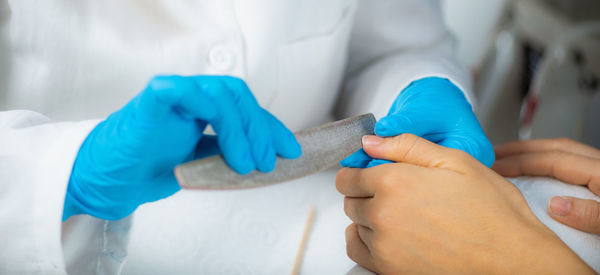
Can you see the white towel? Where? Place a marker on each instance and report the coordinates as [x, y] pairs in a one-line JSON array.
[[538, 191]]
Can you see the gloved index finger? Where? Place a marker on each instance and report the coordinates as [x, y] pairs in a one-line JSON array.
[[284, 140], [166, 94], [228, 125], [275, 134], [257, 128]]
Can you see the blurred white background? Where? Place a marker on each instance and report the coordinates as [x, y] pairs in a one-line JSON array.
[[535, 64]]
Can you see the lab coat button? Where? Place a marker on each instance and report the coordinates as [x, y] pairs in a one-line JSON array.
[[221, 58]]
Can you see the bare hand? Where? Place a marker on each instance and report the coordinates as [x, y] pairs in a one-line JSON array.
[[565, 160], [438, 210]]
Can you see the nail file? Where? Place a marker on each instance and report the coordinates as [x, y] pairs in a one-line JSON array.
[[322, 147]]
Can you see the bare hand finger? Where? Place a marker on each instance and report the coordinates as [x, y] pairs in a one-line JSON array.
[[545, 145], [357, 250], [567, 167], [359, 210], [580, 214]]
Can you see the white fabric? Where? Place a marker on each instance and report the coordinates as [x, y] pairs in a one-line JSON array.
[[253, 231], [81, 60], [32, 189], [538, 191]]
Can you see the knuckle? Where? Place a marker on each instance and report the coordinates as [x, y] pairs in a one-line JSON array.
[[459, 155], [404, 144], [379, 245], [340, 179], [596, 220], [377, 216], [346, 206], [556, 155], [158, 82], [350, 252], [594, 186], [588, 216], [592, 215], [236, 84], [372, 215], [350, 241], [349, 231], [386, 182], [563, 142], [405, 139], [212, 88], [461, 159]]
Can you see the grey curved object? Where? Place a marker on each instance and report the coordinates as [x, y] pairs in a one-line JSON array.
[[322, 147]]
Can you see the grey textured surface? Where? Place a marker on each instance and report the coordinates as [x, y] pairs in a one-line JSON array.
[[322, 147]]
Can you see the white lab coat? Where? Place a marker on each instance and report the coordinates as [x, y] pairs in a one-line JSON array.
[[75, 62]]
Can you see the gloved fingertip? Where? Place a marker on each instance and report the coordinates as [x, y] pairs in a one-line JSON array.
[[377, 162], [291, 149], [358, 159], [397, 124], [352, 163], [390, 126], [346, 163], [243, 168], [267, 163], [162, 82], [242, 162], [380, 129], [266, 167], [295, 150]]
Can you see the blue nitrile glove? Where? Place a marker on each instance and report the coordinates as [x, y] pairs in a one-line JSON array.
[[128, 159], [437, 110]]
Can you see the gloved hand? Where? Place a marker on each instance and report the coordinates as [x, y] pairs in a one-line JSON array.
[[128, 159], [437, 110]]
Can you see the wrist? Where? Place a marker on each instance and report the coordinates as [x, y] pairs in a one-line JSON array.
[[537, 250], [552, 256], [72, 205]]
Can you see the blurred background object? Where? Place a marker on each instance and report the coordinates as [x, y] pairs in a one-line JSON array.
[[536, 65]]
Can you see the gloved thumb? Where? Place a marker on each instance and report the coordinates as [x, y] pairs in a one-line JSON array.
[[404, 122], [406, 148], [580, 214]]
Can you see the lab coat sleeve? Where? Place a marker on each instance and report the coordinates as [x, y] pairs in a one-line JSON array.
[[394, 43], [36, 158]]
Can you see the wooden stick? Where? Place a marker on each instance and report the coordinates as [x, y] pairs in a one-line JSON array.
[[307, 228]]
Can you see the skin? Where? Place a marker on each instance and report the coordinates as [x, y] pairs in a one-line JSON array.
[[438, 210], [565, 160]]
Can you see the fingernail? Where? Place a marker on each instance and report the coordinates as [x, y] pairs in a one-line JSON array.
[[560, 206], [371, 141]]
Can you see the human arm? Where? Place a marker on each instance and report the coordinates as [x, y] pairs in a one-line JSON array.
[[128, 159], [566, 160], [38, 156], [437, 210], [402, 68]]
